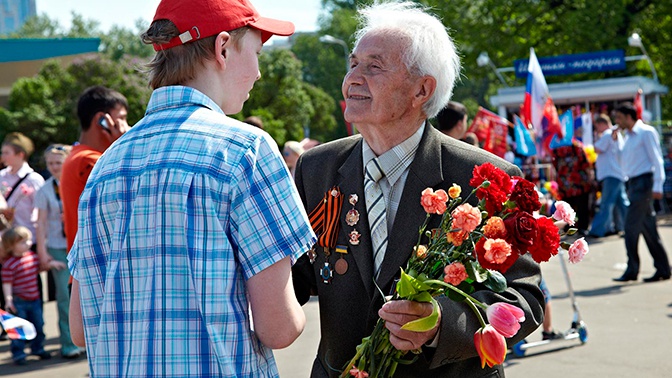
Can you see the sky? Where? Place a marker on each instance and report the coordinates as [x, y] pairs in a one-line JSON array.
[[303, 13]]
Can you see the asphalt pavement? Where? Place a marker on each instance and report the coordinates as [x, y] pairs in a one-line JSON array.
[[629, 326]]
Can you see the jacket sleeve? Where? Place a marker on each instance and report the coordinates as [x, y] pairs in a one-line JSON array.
[[303, 274]]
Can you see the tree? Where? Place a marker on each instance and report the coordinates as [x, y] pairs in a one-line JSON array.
[[285, 102], [44, 106]]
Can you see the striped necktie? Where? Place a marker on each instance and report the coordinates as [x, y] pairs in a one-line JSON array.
[[375, 207]]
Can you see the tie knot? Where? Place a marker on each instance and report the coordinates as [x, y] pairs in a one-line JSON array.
[[373, 170]]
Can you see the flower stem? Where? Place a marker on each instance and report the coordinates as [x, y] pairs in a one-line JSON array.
[[478, 313], [473, 300]]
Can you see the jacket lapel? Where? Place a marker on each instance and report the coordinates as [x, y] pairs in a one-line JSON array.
[[352, 182], [425, 171]]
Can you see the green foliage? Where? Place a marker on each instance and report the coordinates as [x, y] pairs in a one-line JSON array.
[[44, 106], [293, 104]]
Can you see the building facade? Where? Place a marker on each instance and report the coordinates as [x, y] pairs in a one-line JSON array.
[[13, 13]]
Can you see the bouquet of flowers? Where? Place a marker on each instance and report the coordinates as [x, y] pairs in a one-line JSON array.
[[473, 246]]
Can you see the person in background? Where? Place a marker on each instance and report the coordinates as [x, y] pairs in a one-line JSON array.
[[643, 166], [614, 202], [402, 71], [51, 244], [291, 153], [576, 181], [254, 121], [452, 120], [18, 184], [191, 216], [102, 118], [19, 283]]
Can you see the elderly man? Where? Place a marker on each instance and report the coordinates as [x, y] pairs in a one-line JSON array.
[[402, 72]]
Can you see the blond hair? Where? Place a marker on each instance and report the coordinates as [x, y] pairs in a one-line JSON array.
[[58, 149], [11, 237], [177, 65]]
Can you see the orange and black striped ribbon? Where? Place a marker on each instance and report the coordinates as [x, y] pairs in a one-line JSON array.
[[324, 218]]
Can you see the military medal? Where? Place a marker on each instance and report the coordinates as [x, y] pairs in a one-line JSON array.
[[353, 199], [325, 222], [312, 255], [326, 273], [352, 217], [341, 265], [354, 237]]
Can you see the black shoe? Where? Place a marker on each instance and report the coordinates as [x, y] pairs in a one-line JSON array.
[[625, 278], [551, 335], [44, 355], [657, 277], [20, 362]]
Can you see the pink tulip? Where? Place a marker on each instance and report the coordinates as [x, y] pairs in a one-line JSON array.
[[358, 373], [491, 346], [505, 318]]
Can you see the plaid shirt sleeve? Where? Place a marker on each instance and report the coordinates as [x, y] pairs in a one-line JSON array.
[[268, 222]]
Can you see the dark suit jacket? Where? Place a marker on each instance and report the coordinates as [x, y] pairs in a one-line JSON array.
[[349, 304]]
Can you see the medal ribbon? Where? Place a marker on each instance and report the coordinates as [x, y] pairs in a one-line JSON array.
[[324, 218]]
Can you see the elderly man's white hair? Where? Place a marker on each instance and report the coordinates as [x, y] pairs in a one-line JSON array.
[[428, 49]]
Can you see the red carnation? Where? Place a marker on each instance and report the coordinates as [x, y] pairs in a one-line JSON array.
[[525, 195], [547, 242], [498, 191]]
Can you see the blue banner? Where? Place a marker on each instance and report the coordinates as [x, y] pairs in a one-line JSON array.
[[567, 122], [610, 60]]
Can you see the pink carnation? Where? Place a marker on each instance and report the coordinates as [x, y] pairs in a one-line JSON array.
[[578, 250], [455, 273], [496, 250], [466, 217], [434, 202], [564, 212]]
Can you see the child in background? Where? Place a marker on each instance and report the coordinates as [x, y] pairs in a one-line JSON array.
[[19, 284]]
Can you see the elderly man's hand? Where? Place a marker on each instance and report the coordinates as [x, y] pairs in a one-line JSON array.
[[398, 313]]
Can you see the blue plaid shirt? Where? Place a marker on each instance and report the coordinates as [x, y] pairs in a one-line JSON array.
[[175, 217]]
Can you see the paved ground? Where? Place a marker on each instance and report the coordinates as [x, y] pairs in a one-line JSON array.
[[629, 326]]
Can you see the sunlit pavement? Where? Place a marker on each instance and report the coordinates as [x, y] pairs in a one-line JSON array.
[[629, 326]]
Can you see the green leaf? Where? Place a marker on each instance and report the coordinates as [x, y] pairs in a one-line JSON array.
[[496, 282], [408, 285], [426, 323]]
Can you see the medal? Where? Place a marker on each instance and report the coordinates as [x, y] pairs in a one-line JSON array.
[[312, 255], [326, 273], [353, 199], [352, 217], [354, 237], [341, 266]]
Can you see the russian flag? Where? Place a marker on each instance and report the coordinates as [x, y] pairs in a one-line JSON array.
[[17, 328], [538, 108]]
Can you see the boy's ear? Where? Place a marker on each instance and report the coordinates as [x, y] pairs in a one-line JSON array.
[[222, 44]]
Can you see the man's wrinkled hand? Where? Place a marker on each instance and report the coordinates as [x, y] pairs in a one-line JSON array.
[[398, 313]]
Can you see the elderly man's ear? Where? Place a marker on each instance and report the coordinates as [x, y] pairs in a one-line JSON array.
[[426, 88]]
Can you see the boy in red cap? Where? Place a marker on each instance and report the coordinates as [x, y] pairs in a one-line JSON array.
[[191, 217]]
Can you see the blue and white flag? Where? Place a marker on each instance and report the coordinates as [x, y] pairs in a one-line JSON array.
[[524, 144]]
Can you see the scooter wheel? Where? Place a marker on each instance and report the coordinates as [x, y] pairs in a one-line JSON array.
[[517, 349], [583, 334]]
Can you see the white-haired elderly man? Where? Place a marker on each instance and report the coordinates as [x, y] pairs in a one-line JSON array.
[[402, 71]]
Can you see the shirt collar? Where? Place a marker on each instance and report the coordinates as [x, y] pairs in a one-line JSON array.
[[396, 160], [177, 96], [24, 170]]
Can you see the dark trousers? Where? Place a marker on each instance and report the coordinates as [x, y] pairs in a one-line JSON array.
[[581, 205], [641, 219]]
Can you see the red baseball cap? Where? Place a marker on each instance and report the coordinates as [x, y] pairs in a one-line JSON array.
[[198, 19]]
